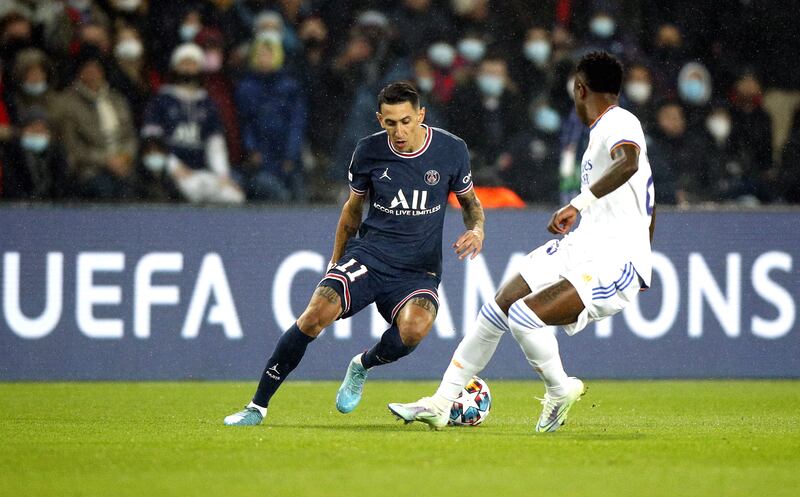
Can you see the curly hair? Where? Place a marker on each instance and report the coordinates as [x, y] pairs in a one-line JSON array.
[[603, 72]]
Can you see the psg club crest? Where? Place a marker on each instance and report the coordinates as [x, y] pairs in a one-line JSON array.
[[432, 177]]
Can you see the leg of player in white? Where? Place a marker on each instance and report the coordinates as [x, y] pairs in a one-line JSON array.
[[476, 349]]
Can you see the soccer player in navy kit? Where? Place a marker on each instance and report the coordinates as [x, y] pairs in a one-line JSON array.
[[405, 173]]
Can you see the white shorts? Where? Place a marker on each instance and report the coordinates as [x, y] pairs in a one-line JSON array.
[[605, 284]]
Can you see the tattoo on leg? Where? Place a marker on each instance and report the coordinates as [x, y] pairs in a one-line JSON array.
[[553, 292], [425, 304], [328, 294]]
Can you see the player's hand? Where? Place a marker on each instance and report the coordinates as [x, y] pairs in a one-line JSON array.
[[562, 220], [469, 244]]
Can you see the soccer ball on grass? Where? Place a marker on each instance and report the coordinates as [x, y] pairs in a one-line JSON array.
[[471, 407]]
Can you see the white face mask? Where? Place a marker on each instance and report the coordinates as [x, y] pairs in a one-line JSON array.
[[571, 87], [128, 49], [425, 84], [80, 4], [719, 127], [270, 36], [638, 91], [442, 54], [154, 161], [472, 49], [491, 85], [537, 51], [35, 89]]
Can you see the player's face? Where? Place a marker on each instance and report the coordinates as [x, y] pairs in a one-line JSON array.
[[402, 123], [580, 92]]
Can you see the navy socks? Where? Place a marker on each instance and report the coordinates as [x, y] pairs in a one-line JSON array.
[[287, 355], [389, 349]]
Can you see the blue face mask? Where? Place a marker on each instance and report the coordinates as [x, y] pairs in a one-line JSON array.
[[546, 119], [692, 90], [442, 54], [472, 49], [602, 27], [35, 89], [537, 51], [154, 161], [425, 84], [34, 142], [490, 85], [189, 31]]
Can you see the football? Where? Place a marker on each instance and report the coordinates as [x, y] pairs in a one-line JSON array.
[[472, 406]]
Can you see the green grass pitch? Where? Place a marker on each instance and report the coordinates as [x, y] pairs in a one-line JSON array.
[[643, 438]]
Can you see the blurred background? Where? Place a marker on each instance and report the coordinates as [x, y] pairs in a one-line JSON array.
[[232, 101]]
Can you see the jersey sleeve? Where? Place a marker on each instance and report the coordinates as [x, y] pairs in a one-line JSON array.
[[625, 130], [357, 174], [461, 181]]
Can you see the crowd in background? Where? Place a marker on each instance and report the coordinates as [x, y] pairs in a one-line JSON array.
[[228, 101]]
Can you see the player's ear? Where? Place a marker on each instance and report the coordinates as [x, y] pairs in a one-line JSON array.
[[421, 115], [379, 116]]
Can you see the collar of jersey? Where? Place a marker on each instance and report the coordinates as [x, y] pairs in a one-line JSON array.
[[597, 119], [411, 155]]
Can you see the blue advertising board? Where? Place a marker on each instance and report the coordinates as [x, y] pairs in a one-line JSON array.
[[141, 293]]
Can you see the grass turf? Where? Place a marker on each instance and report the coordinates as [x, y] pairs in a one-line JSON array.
[[646, 438]]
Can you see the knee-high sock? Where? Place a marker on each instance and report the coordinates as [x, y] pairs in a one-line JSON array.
[[472, 354], [539, 345], [288, 352], [389, 349]]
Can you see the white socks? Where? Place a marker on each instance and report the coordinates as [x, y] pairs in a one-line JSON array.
[[472, 354], [539, 345], [262, 410]]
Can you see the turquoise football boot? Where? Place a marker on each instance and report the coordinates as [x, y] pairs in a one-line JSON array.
[[349, 394]]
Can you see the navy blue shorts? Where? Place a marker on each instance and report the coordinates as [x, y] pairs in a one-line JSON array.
[[359, 285]]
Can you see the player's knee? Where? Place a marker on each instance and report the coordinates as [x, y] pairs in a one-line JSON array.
[[414, 328], [316, 318], [504, 299]]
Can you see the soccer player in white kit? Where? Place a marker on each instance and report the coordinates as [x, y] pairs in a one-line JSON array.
[[588, 275]]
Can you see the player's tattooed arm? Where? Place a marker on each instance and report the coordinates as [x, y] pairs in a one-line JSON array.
[[349, 222], [425, 304], [471, 242]]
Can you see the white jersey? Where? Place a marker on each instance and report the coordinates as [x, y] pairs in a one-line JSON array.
[[617, 225]]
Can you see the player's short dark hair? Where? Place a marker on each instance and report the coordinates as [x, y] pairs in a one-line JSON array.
[[602, 71], [397, 93]]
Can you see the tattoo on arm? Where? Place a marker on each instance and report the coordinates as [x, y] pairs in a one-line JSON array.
[[425, 304], [350, 230], [328, 294], [472, 210]]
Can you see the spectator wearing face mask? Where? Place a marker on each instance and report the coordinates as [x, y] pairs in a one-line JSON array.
[[220, 88], [132, 75], [486, 111], [447, 65], [96, 126], [694, 90], [727, 180], [529, 164], [637, 93], [752, 134], [425, 81], [31, 84], [34, 166], [272, 110], [186, 121], [534, 70]]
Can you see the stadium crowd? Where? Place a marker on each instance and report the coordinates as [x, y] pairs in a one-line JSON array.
[[228, 101]]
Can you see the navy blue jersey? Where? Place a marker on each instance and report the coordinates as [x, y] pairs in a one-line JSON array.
[[407, 198], [185, 121]]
